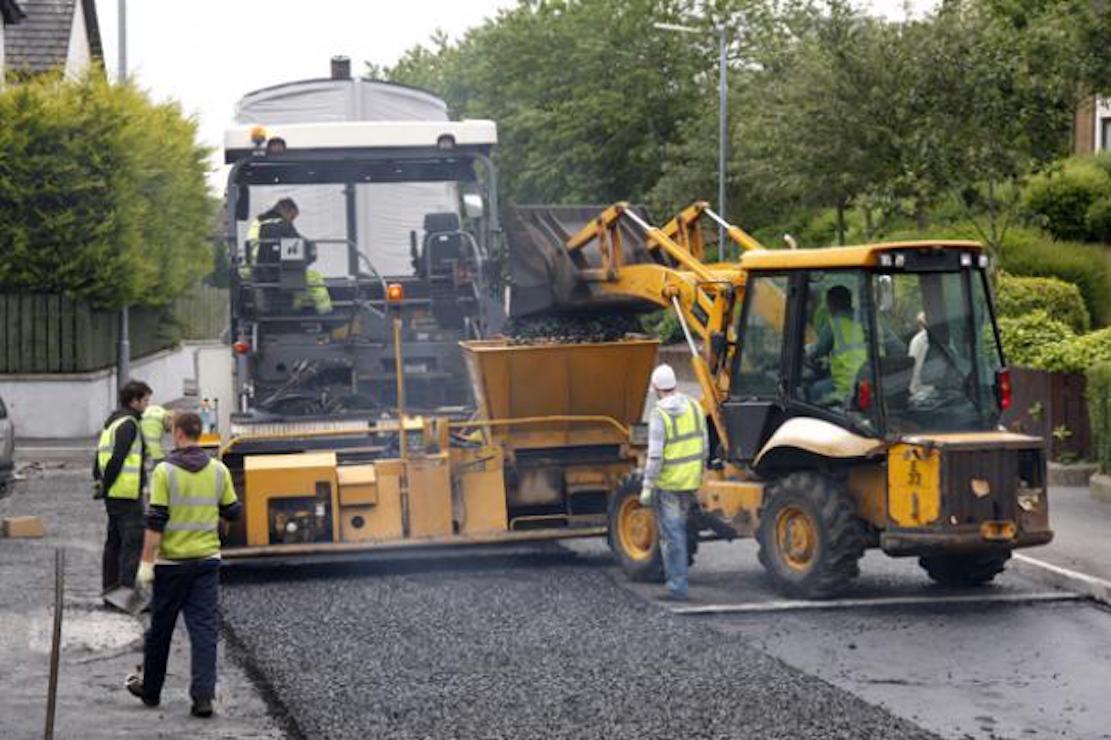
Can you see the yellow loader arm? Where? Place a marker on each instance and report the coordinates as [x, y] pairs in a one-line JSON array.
[[703, 296]]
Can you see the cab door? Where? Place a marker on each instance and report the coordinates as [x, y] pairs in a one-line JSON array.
[[758, 387]]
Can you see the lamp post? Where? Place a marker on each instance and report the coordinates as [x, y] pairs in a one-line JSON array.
[[123, 349], [721, 33]]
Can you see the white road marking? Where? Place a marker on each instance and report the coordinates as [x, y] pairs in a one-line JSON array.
[[1058, 577], [881, 601]]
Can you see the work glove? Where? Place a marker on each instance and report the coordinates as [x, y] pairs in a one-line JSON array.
[[646, 496], [145, 576]]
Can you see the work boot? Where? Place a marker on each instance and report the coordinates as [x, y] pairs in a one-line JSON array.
[[201, 708], [134, 684]]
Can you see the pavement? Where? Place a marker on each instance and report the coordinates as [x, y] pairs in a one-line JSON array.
[[99, 646]]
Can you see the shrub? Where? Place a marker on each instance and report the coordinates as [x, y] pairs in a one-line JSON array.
[[1061, 199], [1026, 338], [1077, 354], [103, 194], [1099, 220], [1028, 252], [665, 325], [1098, 395], [1019, 296]]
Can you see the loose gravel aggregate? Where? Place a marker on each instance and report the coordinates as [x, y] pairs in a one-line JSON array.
[[522, 643]]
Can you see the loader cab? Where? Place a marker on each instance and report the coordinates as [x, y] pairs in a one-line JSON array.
[[901, 342]]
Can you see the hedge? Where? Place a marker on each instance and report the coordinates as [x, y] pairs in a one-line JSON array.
[[1098, 392], [103, 193], [1030, 253], [1061, 199], [1077, 354], [1026, 338], [1019, 296]]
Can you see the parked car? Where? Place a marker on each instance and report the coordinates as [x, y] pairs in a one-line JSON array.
[[7, 449]]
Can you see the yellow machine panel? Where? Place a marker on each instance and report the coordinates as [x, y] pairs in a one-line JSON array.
[[735, 501], [358, 484], [481, 483], [430, 510], [868, 487], [271, 477], [913, 485]]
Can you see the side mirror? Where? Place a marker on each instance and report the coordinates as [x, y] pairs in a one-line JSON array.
[[473, 206], [885, 293]]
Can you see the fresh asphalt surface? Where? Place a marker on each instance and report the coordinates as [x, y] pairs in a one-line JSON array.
[[550, 641]]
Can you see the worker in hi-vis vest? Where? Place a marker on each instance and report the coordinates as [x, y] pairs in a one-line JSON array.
[[155, 425], [265, 233], [841, 338], [677, 447], [189, 494], [119, 475]]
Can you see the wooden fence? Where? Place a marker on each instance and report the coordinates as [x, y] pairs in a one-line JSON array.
[[41, 333], [1044, 403]]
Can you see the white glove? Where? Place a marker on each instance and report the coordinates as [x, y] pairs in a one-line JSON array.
[[145, 576], [646, 496]]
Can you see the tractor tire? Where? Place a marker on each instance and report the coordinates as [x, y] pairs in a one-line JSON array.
[[634, 537], [810, 539], [965, 570]]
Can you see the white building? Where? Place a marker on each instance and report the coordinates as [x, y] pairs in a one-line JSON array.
[[10, 14], [1092, 130]]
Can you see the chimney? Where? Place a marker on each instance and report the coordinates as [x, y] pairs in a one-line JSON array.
[[341, 67]]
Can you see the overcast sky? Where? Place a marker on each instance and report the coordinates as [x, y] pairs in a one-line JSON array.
[[208, 53]]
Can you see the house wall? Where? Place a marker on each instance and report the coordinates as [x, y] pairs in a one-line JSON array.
[[1102, 123], [79, 55], [2, 61], [68, 405]]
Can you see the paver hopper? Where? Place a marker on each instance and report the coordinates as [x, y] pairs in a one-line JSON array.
[[560, 395]]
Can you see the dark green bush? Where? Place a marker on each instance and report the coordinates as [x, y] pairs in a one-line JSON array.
[[103, 194], [1077, 354], [1019, 296], [1099, 413], [1060, 199], [1027, 337], [1099, 220], [1028, 252], [663, 324]]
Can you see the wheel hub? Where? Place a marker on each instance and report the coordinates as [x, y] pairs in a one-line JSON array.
[[796, 538], [636, 529]]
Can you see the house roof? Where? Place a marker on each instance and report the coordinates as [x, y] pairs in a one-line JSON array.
[[10, 13], [41, 41]]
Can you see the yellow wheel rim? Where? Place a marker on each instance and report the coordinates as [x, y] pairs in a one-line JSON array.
[[796, 538], [636, 529]]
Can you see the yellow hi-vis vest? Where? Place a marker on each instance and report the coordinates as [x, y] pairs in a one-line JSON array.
[[126, 485], [153, 426], [849, 353], [253, 232], [684, 451], [193, 501], [315, 295]]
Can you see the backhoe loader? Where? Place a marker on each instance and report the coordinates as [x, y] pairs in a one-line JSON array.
[[854, 393]]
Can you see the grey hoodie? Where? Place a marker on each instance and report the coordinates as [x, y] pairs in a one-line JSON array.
[[674, 405]]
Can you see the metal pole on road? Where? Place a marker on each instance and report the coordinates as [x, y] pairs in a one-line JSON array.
[[123, 347]]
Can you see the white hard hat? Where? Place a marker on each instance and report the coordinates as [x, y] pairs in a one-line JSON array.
[[663, 378]]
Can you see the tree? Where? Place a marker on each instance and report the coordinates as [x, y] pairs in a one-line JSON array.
[[102, 193]]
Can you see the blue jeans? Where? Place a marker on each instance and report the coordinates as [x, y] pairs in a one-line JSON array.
[[672, 510], [192, 587]]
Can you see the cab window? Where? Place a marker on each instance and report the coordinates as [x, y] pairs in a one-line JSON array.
[[836, 372], [759, 371]]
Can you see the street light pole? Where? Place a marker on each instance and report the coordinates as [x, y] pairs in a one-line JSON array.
[[723, 132], [123, 348], [723, 141]]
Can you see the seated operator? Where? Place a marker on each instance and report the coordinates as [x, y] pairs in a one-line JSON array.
[[266, 232], [841, 338]]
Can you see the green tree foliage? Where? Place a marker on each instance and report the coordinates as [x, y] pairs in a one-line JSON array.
[[102, 193], [586, 93], [1016, 297]]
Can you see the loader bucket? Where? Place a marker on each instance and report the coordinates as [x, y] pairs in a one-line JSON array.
[[544, 275], [526, 381]]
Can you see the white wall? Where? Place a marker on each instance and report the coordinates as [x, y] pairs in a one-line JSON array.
[[79, 56], [76, 405]]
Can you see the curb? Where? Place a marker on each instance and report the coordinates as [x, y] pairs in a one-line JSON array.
[[1055, 576]]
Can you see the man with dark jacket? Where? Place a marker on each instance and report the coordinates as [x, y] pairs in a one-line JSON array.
[[265, 233], [189, 494], [118, 468]]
